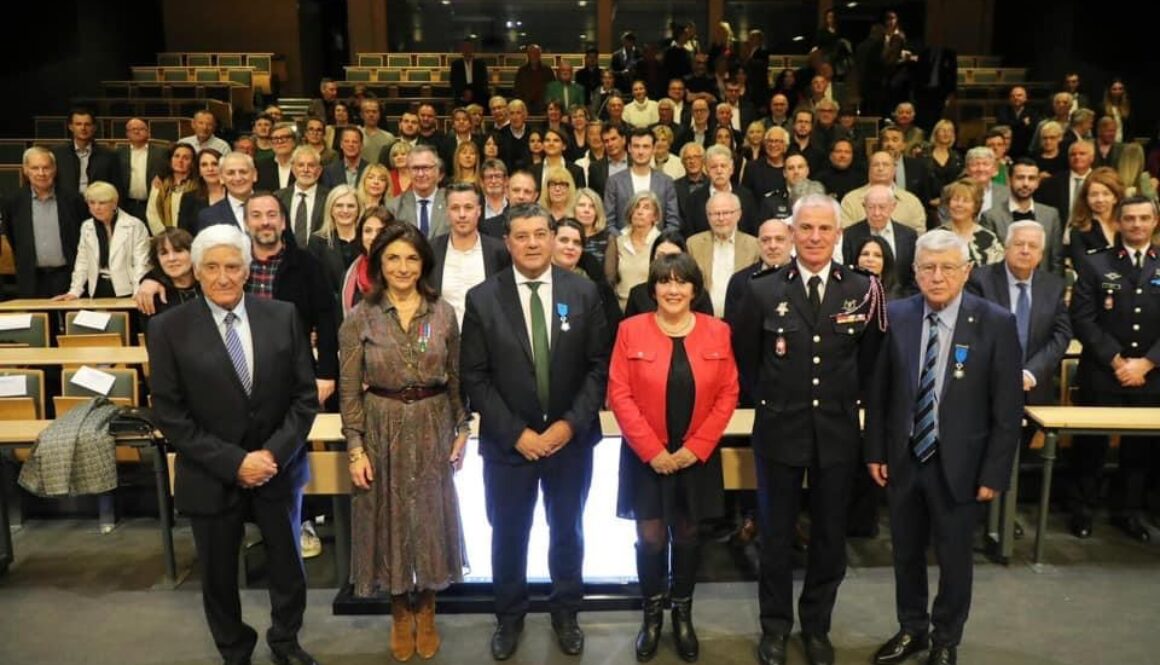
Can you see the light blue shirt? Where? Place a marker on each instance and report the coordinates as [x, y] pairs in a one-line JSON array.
[[241, 325], [947, 317]]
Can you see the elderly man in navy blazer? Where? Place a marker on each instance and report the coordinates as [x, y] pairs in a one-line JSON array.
[[941, 429], [640, 176], [534, 363]]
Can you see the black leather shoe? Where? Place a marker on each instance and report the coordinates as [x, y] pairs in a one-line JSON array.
[[771, 650], [506, 638], [900, 647], [1081, 525], [819, 651], [649, 636], [942, 656], [688, 647], [568, 633], [1133, 526], [295, 655]]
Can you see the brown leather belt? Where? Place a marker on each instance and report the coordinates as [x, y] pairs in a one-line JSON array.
[[410, 394]]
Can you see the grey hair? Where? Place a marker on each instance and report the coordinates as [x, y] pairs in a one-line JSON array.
[[424, 148], [220, 235], [941, 240], [730, 195], [1025, 224], [38, 150], [980, 152], [691, 146], [718, 151], [303, 151], [237, 155], [817, 201]]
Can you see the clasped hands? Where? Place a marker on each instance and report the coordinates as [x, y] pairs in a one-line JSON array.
[[535, 446], [1131, 372], [667, 463], [257, 468], [881, 474]]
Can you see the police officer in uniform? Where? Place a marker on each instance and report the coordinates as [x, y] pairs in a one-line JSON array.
[[805, 339], [1115, 311]]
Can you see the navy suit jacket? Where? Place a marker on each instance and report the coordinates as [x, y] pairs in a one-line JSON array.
[[979, 414], [499, 376], [1049, 330], [218, 213], [203, 410], [335, 172]]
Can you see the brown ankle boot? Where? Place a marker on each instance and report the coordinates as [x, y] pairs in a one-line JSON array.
[[402, 628], [427, 636]]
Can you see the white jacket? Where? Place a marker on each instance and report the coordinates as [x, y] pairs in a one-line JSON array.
[[128, 256]]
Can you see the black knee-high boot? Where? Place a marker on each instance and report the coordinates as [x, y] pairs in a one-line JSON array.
[[686, 560], [651, 569]]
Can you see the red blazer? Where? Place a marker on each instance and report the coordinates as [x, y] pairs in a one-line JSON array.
[[639, 373]]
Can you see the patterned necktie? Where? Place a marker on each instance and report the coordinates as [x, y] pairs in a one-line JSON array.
[[924, 441], [301, 226], [237, 354], [814, 295], [1023, 315], [424, 221], [540, 356]]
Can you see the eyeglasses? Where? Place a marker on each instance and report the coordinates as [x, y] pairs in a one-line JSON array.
[[281, 139], [557, 183], [948, 269], [422, 168], [722, 214]]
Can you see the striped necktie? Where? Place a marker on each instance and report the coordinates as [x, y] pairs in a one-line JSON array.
[[924, 442], [237, 354]]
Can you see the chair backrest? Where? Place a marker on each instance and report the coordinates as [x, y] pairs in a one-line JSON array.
[[428, 60], [259, 61], [420, 75], [243, 76], [62, 404], [398, 59], [170, 60], [370, 60], [36, 335], [230, 60], [33, 393], [199, 60], [148, 74], [175, 74], [390, 75], [207, 75], [124, 385], [358, 74], [118, 323], [1067, 372], [88, 341], [17, 408]]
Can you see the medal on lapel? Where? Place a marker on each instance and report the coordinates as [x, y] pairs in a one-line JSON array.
[[424, 337], [779, 346], [1109, 302], [562, 312], [961, 351], [783, 308]]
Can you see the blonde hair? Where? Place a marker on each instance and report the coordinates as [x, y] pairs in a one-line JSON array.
[[1131, 165], [457, 173], [329, 230], [940, 125], [1081, 212], [601, 221], [559, 173], [101, 192], [967, 188], [363, 196]]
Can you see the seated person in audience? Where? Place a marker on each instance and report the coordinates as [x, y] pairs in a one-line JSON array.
[[1080, 126], [775, 239], [723, 249], [305, 200], [208, 190], [429, 133], [1093, 223], [425, 204], [981, 169], [468, 76], [719, 166], [615, 108], [841, 175], [521, 188], [165, 194], [640, 176], [594, 152], [752, 148], [577, 133], [564, 90], [908, 209], [666, 116], [1024, 181], [640, 301], [400, 173], [375, 138], [464, 257], [461, 132], [700, 128], [275, 113], [82, 160], [1137, 181], [263, 146], [315, 137], [491, 146], [532, 80], [493, 179], [204, 125], [588, 210], [1061, 105], [373, 187], [113, 251], [778, 112], [140, 162], [663, 160], [568, 253], [964, 200], [322, 107], [998, 139], [598, 100], [278, 172], [589, 75], [826, 127], [554, 141], [498, 106], [475, 113], [701, 84], [349, 167], [641, 111], [899, 238], [341, 119], [1062, 191], [912, 134], [942, 160], [722, 120], [172, 266], [910, 173], [1021, 118], [1116, 322], [44, 261]]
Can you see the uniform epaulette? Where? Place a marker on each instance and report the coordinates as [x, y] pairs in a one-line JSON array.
[[767, 271], [861, 271], [1097, 250]]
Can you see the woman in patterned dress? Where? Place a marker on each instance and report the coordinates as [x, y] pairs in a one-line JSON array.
[[406, 429]]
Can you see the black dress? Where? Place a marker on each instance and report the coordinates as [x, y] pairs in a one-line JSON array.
[[696, 492]]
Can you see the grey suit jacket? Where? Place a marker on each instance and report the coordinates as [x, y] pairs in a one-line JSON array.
[[618, 192], [1000, 196], [406, 209], [286, 196], [998, 219]]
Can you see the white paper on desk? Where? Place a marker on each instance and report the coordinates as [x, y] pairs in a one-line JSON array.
[[93, 379], [14, 386], [16, 322], [87, 318]]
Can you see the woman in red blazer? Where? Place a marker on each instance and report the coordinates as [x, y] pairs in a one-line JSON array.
[[673, 387]]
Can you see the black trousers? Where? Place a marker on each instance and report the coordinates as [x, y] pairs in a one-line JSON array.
[[136, 208], [1138, 454], [53, 281], [923, 512], [778, 490], [219, 539], [510, 492]]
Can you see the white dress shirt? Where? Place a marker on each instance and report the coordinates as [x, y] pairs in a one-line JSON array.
[[239, 209], [806, 274], [640, 183], [241, 325], [724, 257], [311, 193], [545, 292], [887, 234], [138, 164], [461, 271]]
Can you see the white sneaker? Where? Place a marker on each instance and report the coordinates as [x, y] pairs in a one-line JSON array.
[[310, 542]]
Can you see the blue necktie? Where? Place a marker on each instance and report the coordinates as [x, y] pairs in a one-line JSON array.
[[424, 221], [925, 439], [1023, 315], [237, 355]]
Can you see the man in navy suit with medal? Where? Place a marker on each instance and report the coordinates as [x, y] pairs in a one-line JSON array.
[[942, 423], [805, 338], [534, 364]]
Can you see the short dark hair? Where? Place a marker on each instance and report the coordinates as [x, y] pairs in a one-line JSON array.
[[177, 238], [841, 139], [1023, 161], [1134, 200], [349, 128], [568, 223], [411, 235], [639, 132], [681, 267], [374, 212], [80, 110], [462, 187], [888, 276], [525, 211], [671, 236], [610, 127]]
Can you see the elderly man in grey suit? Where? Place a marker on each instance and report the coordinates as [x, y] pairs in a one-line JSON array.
[[640, 176], [425, 205], [305, 199], [1024, 181]]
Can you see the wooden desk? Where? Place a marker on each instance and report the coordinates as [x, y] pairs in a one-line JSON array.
[[1101, 420], [48, 305], [113, 355]]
